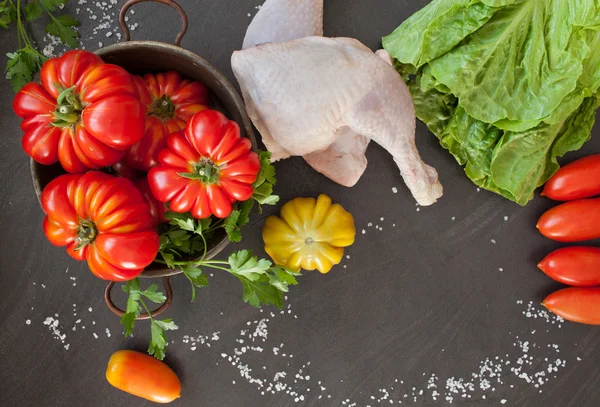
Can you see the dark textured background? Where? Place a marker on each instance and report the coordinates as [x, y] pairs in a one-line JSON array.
[[423, 297]]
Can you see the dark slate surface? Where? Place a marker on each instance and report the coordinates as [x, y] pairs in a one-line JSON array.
[[424, 297]]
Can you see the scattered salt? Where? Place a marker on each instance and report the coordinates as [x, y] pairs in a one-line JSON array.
[[395, 190], [28, 322]]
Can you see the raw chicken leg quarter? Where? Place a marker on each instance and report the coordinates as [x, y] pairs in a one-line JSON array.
[[311, 93]]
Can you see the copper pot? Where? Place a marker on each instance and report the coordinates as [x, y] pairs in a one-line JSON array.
[[140, 57]]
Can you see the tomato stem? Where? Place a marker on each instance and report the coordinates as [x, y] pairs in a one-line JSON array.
[[68, 108], [163, 108], [86, 233], [204, 170]]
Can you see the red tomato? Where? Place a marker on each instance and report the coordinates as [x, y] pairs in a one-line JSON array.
[[143, 376], [577, 304], [577, 266], [102, 219], [85, 113], [577, 180], [205, 169], [157, 209], [170, 101], [572, 221]]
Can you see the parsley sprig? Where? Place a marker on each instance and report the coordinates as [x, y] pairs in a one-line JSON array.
[[135, 302], [27, 60], [184, 245], [184, 239]]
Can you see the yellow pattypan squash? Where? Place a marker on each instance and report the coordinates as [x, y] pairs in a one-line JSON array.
[[310, 234]]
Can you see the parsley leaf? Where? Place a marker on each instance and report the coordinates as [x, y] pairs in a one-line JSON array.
[[33, 10], [197, 279], [158, 341], [238, 218], [8, 13], [26, 61], [133, 307], [264, 195], [158, 338], [244, 264], [21, 66], [62, 27], [231, 226], [245, 209], [263, 186], [51, 5], [154, 295], [257, 293], [262, 282]]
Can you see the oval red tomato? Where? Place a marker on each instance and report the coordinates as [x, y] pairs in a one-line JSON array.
[[205, 169], [576, 266], [143, 376], [170, 101], [85, 113], [572, 221], [102, 219], [576, 304], [577, 180]]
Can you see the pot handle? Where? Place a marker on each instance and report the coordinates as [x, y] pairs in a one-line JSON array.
[[170, 3], [118, 311]]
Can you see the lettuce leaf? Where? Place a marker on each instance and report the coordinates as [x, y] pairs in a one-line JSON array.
[[503, 92]]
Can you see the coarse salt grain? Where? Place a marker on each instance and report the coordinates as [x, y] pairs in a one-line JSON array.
[[28, 322]]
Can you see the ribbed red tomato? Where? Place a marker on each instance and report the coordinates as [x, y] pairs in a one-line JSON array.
[[157, 209], [205, 169], [170, 101], [573, 221], [577, 180], [85, 113], [576, 304], [576, 266], [102, 219]]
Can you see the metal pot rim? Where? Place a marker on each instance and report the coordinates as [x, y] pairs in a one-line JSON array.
[[246, 125]]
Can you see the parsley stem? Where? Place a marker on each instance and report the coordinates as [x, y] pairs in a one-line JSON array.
[[19, 23], [205, 245], [215, 267], [146, 308]]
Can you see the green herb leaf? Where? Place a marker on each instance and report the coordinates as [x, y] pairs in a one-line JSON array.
[[257, 293], [154, 295], [133, 306], [231, 226], [263, 186], [245, 209], [264, 194], [33, 10], [52, 5], [22, 65], [8, 13], [158, 341], [203, 225], [196, 277], [262, 282], [61, 27], [244, 264]]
